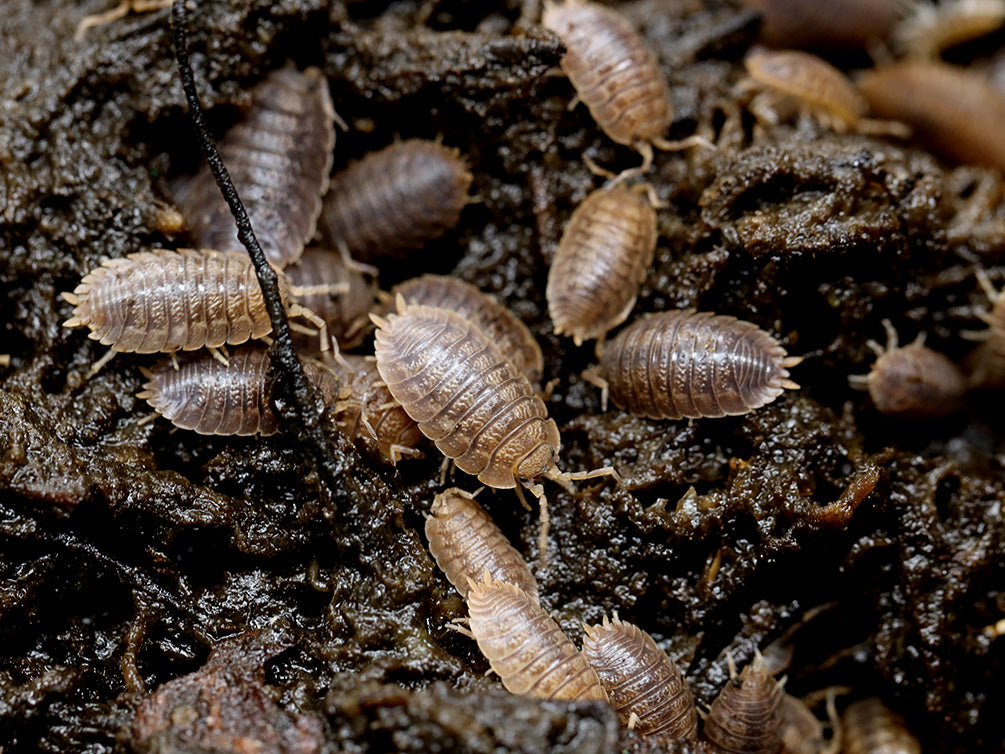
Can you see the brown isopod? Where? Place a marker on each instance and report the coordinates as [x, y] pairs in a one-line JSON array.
[[746, 717], [934, 27], [470, 400], [279, 158], [912, 382], [525, 647], [368, 409], [601, 262], [211, 398], [870, 727], [396, 199], [616, 75], [467, 544], [166, 301], [504, 328], [339, 294], [645, 687], [831, 25], [954, 112], [695, 365], [811, 82]]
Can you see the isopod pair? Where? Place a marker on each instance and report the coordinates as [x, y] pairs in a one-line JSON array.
[[639, 679]]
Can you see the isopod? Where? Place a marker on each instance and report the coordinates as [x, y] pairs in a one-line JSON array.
[[690, 364], [831, 25], [811, 82], [368, 409], [466, 544], [746, 717], [616, 75], [339, 294], [211, 398], [870, 727], [645, 687], [954, 112], [526, 648], [470, 400], [912, 382], [279, 158], [500, 324], [165, 301], [601, 262], [395, 200], [933, 27]]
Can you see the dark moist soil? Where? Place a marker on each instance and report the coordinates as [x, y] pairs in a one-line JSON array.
[[217, 583]]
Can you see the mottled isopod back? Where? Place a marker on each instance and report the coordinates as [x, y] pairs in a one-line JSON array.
[[466, 396], [613, 71], [812, 82], [503, 327], [526, 648], [162, 301], [279, 158], [645, 687], [746, 717], [467, 544], [602, 260], [395, 200], [690, 364], [211, 398]]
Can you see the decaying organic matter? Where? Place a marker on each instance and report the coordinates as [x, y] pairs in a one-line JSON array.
[[129, 550]]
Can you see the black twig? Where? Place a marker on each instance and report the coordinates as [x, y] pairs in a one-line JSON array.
[[283, 356]]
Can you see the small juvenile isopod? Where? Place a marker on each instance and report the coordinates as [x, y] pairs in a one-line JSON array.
[[912, 382], [340, 295], [690, 364], [616, 75], [602, 260], [279, 158], [492, 318], [645, 687], [934, 27], [954, 112], [396, 199], [746, 717], [211, 398], [870, 727], [791, 76], [526, 648], [467, 544], [367, 408], [165, 301]]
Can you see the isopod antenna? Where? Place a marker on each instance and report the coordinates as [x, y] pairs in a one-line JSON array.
[[284, 358]]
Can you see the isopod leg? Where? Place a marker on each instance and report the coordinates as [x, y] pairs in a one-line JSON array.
[[593, 376], [100, 363]]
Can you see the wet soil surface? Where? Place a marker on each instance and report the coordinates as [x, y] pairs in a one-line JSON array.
[[164, 591]]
